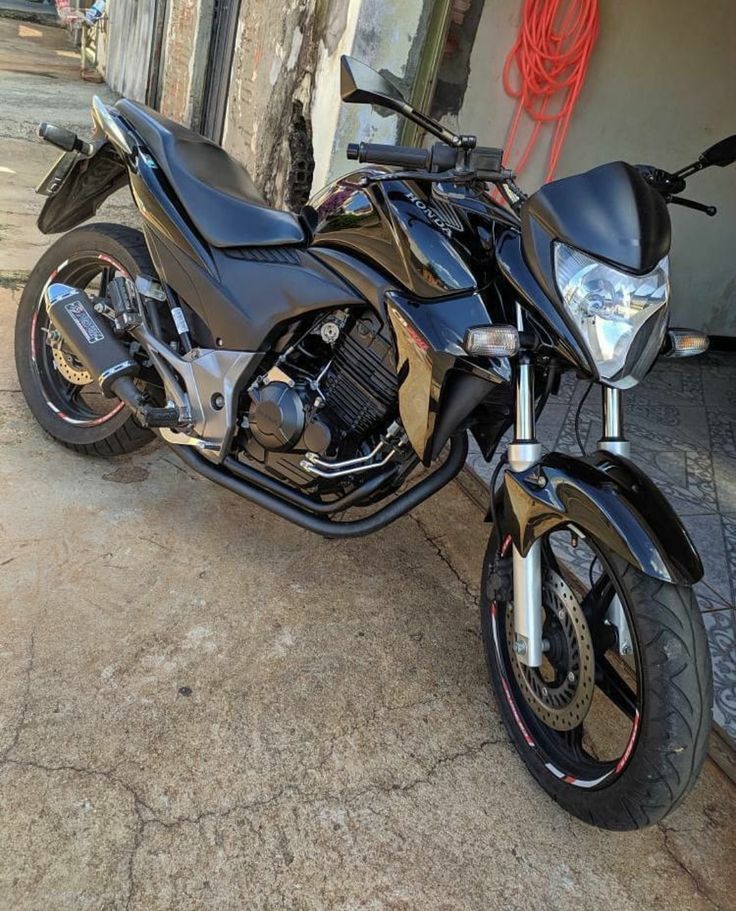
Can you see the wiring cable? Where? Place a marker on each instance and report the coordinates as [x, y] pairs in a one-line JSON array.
[[577, 416]]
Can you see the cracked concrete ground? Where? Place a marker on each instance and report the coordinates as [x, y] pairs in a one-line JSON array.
[[203, 707]]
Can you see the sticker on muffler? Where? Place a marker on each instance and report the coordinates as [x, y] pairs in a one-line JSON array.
[[86, 325]]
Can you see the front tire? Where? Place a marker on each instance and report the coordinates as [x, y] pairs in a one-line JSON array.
[[663, 692], [70, 410]]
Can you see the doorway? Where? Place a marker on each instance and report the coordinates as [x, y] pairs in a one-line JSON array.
[[219, 67]]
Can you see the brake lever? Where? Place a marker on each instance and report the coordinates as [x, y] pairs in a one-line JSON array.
[[691, 204]]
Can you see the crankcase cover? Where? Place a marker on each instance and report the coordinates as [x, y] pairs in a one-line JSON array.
[[276, 416]]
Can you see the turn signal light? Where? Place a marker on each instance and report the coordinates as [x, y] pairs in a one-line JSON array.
[[492, 341], [685, 343]]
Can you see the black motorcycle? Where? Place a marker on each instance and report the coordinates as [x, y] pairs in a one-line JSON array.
[[313, 362]]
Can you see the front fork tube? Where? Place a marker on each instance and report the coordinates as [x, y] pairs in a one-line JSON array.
[[613, 439], [523, 453]]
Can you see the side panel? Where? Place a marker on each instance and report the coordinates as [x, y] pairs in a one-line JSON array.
[[429, 336], [164, 215], [243, 303], [240, 296], [608, 497]]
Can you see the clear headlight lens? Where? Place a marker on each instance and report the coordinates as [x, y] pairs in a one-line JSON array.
[[622, 317]]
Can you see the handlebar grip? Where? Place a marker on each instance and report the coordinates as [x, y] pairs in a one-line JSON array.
[[401, 156]]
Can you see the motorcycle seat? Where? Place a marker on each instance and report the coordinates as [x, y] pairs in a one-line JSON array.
[[214, 189]]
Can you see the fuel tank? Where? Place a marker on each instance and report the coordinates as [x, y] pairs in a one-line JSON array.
[[396, 226]]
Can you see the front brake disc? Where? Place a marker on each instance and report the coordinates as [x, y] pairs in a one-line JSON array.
[[558, 693]]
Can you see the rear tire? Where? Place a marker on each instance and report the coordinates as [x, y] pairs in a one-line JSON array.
[[105, 247], [668, 744]]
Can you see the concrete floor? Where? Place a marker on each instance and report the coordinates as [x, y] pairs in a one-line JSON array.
[[202, 707]]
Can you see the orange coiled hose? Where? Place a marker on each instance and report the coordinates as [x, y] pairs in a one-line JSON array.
[[545, 71]]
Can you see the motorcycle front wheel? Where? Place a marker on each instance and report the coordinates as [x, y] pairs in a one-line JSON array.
[[614, 724]]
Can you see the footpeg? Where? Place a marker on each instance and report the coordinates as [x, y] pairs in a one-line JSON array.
[[158, 417], [149, 415]]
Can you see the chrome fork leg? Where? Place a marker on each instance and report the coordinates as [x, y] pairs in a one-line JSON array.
[[613, 439], [523, 453]]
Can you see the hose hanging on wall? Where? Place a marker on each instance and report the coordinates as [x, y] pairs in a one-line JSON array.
[[549, 59]]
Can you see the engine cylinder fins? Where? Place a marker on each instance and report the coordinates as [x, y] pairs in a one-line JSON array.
[[276, 416], [362, 384]]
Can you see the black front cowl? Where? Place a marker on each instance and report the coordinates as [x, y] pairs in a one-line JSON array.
[[611, 213]]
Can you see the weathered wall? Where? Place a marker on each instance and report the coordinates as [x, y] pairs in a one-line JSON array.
[[291, 56], [187, 34], [659, 89], [273, 68], [387, 35], [127, 49], [284, 112]]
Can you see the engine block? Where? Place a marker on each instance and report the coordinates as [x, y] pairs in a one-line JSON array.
[[335, 411], [361, 386]]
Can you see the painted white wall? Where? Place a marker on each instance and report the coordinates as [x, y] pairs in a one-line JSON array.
[[381, 34], [660, 89]]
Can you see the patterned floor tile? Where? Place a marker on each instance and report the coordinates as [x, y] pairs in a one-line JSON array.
[[724, 475], [721, 628], [707, 534], [723, 431]]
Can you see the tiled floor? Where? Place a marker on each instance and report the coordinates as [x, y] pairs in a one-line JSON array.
[[682, 425]]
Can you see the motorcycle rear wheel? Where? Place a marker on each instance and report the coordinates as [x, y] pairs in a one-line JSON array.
[[63, 398], [660, 694]]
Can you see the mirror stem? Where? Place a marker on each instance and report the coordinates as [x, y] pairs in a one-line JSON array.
[[436, 129], [690, 169]]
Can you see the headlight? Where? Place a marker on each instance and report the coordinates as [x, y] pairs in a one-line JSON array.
[[622, 317]]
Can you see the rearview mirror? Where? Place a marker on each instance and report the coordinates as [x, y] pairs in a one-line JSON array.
[[721, 154], [362, 85]]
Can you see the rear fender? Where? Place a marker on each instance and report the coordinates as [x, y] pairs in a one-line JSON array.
[[606, 496], [76, 187]]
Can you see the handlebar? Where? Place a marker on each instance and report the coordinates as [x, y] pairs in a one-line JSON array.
[[484, 162], [401, 156]]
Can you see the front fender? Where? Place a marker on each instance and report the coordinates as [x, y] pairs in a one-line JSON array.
[[608, 497]]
